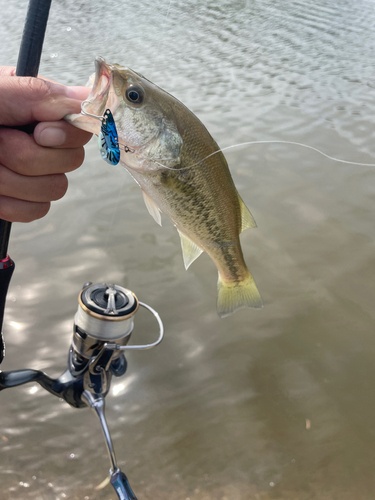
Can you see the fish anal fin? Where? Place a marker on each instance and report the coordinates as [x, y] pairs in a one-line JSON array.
[[234, 295], [152, 207], [247, 220], [190, 251]]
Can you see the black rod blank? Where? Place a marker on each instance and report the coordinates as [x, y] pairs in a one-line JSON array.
[[33, 38], [28, 65]]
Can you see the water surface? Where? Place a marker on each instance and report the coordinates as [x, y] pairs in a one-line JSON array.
[[270, 404]]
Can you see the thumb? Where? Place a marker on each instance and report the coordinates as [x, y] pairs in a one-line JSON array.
[[26, 100]]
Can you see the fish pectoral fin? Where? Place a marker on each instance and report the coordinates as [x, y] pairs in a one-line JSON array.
[[190, 251], [152, 207], [247, 220]]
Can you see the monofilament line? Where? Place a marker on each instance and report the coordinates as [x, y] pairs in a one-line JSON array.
[[273, 142], [304, 146]]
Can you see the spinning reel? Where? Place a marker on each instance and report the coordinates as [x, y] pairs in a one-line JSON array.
[[103, 325]]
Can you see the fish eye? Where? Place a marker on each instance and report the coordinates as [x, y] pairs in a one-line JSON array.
[[134, 95]]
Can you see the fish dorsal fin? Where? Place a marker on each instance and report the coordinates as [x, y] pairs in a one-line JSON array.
[[247, 220], [152, 207], [190, 251]]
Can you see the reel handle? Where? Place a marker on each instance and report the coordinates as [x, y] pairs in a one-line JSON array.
[[119, 480], [122, 487]]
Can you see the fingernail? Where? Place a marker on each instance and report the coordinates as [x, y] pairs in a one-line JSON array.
[[51, 137]]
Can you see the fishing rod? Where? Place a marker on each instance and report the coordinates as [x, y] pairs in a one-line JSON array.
[[27, 65], [104, 321]]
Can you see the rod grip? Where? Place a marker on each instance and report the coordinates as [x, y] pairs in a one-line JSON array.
[[6, 271]]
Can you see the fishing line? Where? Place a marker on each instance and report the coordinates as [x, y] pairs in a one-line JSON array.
[[272, 142], [250, 143], [109, 145]]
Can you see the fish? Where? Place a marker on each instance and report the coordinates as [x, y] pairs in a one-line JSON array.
[[181, 171]]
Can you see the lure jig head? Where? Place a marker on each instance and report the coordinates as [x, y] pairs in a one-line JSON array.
[[108, 139], [109, 145]]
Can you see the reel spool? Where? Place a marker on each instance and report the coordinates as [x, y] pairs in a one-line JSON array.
[[105, 315]]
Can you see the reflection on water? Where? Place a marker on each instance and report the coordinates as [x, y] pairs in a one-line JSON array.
[[265, 404]]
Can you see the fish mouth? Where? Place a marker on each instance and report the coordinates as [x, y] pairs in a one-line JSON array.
[[103, 78], [99, 98]]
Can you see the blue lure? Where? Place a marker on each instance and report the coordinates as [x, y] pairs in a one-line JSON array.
[[108, 139]]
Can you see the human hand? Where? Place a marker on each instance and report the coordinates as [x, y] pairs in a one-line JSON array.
[[33, 167]]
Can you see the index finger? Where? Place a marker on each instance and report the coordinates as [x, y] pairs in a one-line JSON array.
[[11, 71], [26, 100]]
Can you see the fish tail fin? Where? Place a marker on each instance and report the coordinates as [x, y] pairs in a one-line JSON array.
[[234, 295]]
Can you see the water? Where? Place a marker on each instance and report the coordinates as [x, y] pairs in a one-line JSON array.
[[270, 404]]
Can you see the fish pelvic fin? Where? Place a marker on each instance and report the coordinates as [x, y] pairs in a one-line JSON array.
[[234, 295], [152, 207], [247, 220], [190, 251]]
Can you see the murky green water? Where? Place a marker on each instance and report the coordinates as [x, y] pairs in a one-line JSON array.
[[270, 404]]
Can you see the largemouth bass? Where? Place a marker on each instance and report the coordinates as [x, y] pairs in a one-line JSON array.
[[181, 172]]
